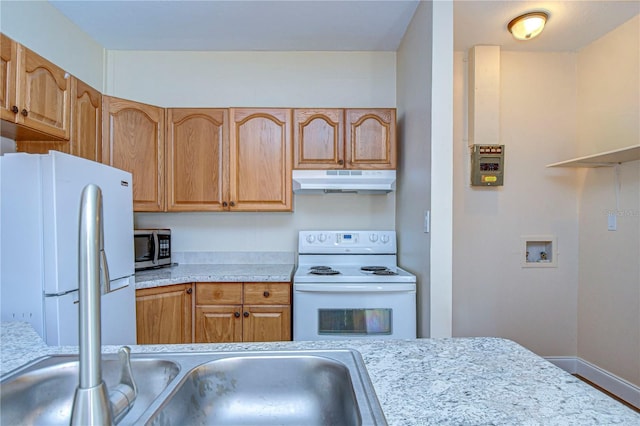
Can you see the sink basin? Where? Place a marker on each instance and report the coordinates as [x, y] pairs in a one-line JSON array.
[[224, 388], [41, 393], [272, 387], [257, 390]]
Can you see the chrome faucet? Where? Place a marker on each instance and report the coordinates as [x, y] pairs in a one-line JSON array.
[[93, 404]]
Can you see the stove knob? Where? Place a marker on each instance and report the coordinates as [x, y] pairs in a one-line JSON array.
[[310, 239], [322, 238], [373, 237], [384, 238]]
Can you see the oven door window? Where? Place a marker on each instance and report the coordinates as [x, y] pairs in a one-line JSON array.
[[355, 321]]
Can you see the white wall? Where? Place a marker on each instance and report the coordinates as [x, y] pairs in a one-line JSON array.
[[7, 145], [248, 79], [493, 295], [288, 79], [232, 231], [424, 183], [609, 91], [414, 177], [43, 29], [609, 275]]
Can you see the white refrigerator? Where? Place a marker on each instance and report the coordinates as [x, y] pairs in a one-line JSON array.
[[39, 211]]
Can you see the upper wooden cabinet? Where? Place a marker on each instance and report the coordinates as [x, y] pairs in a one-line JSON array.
[[260, 159], [36, 94], [318, 138], [370, 138], [197, 159], [86, 121], [8, 65], [345, 138], [133, 140], [86, 127]]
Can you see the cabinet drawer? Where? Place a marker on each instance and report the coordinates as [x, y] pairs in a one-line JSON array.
[[218, 293], [267, 293]]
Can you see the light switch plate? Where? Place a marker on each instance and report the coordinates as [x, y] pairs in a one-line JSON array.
[[427, 221], [612, 222]]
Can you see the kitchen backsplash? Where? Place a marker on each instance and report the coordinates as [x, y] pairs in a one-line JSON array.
[[233, 258]]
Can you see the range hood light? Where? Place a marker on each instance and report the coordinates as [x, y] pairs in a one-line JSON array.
[[344, 181]]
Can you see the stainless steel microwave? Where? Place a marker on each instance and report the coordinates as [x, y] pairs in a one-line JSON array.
[[152, 248]]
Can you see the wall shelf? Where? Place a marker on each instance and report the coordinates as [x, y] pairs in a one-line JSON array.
[[603, 159]]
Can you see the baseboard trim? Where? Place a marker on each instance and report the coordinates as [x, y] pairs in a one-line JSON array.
[[606, 380]]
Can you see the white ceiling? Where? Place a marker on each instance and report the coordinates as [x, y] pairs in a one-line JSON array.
[[333, 25]]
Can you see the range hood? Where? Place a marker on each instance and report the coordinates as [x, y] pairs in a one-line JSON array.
[[344, 181]]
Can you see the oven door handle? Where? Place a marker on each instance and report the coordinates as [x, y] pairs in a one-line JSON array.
[[355, 288]]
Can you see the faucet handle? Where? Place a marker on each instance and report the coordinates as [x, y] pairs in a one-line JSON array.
[[124, 394]]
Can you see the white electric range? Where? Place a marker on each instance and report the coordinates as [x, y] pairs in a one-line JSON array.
[[348, 285]]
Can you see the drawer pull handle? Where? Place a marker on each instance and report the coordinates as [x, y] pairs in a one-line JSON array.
[[265, 294]]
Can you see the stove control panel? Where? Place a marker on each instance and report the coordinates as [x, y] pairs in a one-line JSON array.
[[347, 242]]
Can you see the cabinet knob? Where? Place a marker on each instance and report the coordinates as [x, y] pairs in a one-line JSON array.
[[246, 314], [224, 204], [341, 162], [24, 112], [15, 109], [265, 294], [232, 204], [236, 314], [189, 290]]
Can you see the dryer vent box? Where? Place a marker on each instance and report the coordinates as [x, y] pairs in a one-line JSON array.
[[487, 165]]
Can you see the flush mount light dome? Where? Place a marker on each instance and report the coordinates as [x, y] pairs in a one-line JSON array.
[[528, 26]]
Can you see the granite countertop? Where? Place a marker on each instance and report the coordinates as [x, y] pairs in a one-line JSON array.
[[201, 266], [208, 272], [459, 381]]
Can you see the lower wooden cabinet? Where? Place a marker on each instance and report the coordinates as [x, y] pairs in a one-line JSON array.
[[236, 312], [219, 312], [164, 314]]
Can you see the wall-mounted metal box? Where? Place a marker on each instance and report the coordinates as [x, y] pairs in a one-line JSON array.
[[487, 165]]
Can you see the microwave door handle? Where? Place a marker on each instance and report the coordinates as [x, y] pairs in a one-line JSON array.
[[156, 248]]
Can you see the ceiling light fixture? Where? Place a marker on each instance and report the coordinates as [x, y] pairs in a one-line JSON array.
[[528, 26]]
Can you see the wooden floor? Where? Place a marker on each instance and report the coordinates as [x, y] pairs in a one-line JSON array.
[[622, 401]]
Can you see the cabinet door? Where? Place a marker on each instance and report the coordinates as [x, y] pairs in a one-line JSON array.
[[318, 138], [133, 140], [43, 95], [260, 160], [164, 314], [264, 323], [8, 63], [86, 121], [197, 159], [218, 324], [371, 138]]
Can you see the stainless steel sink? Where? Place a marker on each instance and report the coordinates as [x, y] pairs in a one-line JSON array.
[[41, 393], [225, 388]]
